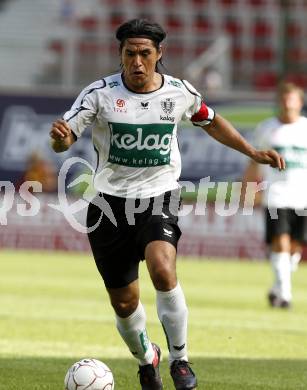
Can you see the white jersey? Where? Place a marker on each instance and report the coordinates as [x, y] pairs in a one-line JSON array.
[[135, 134], [288, 188]]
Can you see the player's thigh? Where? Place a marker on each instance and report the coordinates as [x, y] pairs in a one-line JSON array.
[[277, 228], [114, 250], [159, 222]]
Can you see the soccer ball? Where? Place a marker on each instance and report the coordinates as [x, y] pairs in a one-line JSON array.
[[89, 374]]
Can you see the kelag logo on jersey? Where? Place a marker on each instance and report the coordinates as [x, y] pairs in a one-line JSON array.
[[144, 145]]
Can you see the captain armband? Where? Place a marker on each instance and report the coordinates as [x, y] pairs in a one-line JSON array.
[[204, 116]]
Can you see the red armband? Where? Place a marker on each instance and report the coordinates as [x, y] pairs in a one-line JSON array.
[[204, 116]]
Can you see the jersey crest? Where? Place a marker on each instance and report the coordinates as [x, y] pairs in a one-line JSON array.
[[168, 105]]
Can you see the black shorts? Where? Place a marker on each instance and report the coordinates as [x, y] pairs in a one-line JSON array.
[[119, 249], [289, 221]]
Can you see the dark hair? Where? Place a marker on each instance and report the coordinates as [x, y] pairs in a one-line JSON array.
[[140, 28], [288, 87]]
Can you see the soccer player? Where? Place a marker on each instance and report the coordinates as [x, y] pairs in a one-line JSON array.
[[134, 116], [286, 194]]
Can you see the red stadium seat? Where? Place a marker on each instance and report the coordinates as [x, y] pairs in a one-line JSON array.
[[238, 53], [265, 80], [200, 2], [256, 3], [304, 80], [116, 19], [142, 2], [295, 54], [89, 23], [143, 14], [233, 26], [202, 24], [174, 48], [200, 49], [88, 47], [298, 78], [169, 2], [294, 30], [174, 22], [263, 54], [261, 28], [113, 49], [228, 3], [56, 46]]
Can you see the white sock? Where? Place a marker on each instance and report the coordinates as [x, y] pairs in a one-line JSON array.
[[133, 331], [295, 259], [281, 266], [173, 314]]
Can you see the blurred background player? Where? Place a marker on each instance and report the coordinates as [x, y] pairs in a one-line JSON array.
[[136, 166], [42, 170], [286, 194]]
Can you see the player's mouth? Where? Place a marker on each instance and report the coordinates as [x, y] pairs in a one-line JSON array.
[[138, 73]]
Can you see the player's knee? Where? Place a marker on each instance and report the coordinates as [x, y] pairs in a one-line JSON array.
[[124, 308], [163, 273], [281, 243]]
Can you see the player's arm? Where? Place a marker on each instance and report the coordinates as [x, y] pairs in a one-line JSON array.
[[223, 131], [64, 132], [61, 136]]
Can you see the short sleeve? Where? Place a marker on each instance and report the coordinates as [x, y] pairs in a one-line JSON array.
[[85, 108], [198, 112]]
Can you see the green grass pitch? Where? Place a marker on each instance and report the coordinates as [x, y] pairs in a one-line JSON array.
[[54, 311]]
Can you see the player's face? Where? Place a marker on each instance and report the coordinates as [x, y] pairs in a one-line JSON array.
[[139, 57], [291, 103]]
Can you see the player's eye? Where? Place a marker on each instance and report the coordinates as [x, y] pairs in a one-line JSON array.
[[145, 53]]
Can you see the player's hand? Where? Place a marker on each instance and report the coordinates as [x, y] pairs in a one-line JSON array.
[[60, 130], [271, 157]]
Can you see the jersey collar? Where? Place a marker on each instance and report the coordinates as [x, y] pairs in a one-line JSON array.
[[141, 93]]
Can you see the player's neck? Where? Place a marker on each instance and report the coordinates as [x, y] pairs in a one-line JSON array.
[[289, 117]]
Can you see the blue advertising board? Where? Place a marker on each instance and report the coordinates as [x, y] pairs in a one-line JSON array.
[[24, 128]]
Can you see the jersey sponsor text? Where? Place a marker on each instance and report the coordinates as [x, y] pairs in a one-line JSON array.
[[140, 145]]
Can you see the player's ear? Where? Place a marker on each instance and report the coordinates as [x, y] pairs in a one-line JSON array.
[[159, 52]]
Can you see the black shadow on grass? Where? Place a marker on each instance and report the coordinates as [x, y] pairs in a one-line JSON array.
[[36, 373]]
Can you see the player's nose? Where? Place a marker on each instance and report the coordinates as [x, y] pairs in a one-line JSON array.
[[137, 61]]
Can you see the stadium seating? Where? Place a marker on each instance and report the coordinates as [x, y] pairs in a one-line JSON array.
[[265, 80], [233, 26], [227, 3], [88, 23], [173, 23], [40, 35], [202, 24], [262, 28]]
